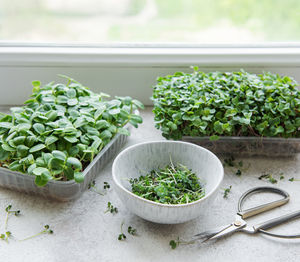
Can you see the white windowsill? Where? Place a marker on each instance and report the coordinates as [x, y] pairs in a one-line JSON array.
[[131, 70], [150, 56]]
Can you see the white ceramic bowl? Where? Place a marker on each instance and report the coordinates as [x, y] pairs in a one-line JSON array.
[[134, 161]]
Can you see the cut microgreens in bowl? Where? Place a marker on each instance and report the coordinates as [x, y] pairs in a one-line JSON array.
[[226, 104], [169, 185], [60, 130]]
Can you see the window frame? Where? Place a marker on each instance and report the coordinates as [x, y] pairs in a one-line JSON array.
[[131, 69]]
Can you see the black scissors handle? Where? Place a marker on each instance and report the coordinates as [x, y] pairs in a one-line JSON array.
[[261, 208]]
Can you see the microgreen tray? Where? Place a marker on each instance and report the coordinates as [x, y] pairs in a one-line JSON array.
[[62, 190], [249, 146]]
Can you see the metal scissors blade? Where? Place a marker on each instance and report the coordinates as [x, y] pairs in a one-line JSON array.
[[238, 224], [209, 233]]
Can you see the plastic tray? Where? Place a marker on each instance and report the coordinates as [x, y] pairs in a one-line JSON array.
[[249, 146], [62, 190]]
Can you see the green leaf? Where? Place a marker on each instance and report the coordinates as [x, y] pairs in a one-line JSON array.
[[138, 103], [72, 102], [3, 154], [56, 164], [43, 179], [19, 140], [79, 177], [60, 155], [74, 150], [8, 148], [72, 161], [99, 112], [214, 138], [22, 150], [6, 125], [36, 148], [39, 128], [16, 166], [62, 99], [71, 139], [218, 127], [39, 171], [69, 172], [136, 118], [123, 131], [100, 124], [71, 93], [114, 111], [105, 135], [31, 168], [50, 140]]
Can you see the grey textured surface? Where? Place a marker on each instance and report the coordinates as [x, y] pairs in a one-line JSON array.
[[82, 232]]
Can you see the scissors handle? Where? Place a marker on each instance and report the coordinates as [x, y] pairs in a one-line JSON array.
[[261, 208], [277, 221]]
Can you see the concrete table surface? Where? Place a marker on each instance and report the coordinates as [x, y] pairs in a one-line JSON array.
[[83, 232]]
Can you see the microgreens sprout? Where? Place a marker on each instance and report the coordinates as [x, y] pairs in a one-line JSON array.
[[175, 243], [293, 179], [269, 178], [46, 230], [131, 230], [8, 212], [227, 191], [111, 208], [229, 161], [169, 185], [93, 187], [106, 185], [5, 236], [122, 236], [238, 172]]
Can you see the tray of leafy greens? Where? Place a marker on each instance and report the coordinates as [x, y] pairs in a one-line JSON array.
[[60, 139], [231, 112]]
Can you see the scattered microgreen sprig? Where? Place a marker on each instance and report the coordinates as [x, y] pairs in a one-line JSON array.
[[169, 185], [226, 104], [132, 231], [93, 186], [46, 230], [175, 243], [227, 191], [121, 236], [60, 130], [269, 178], [8, 212], [111, 209]]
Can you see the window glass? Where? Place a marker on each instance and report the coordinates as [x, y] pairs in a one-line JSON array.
[[163, 21]]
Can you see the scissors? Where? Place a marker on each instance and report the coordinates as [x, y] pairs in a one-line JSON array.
[[241, 225]]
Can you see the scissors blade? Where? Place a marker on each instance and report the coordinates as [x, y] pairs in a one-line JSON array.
[[231, 229], [210, 233], [237, 225]]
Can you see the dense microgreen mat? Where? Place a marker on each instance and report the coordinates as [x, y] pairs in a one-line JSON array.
[[173, 184], [226, 104], [60, 130]]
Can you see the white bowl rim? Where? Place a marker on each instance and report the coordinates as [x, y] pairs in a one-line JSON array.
[[160, 204]]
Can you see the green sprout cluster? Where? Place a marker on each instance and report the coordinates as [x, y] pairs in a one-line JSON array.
[[226, 104], [169, 185], [60, 130]]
